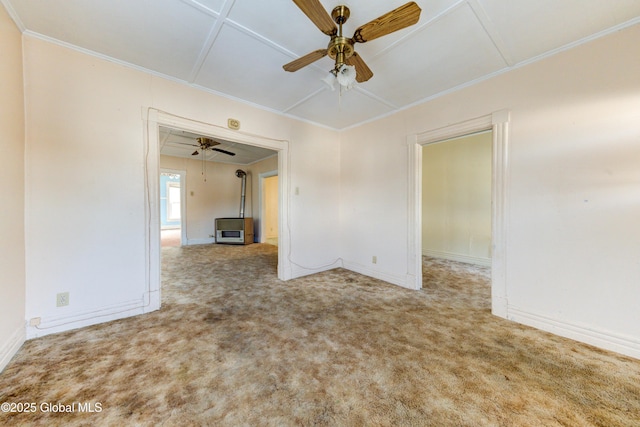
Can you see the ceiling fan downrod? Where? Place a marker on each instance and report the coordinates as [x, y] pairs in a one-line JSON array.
[[340, 48]]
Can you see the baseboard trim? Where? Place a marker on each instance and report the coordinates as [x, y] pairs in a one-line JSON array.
[[301, 271], [602, 339], [11, 347], [399, 280], [458, 257], [52, 325], [205, 241]]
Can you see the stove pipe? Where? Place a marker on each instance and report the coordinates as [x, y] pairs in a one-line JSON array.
[[242, 174]]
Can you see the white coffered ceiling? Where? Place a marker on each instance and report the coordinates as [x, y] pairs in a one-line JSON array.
[[237, 47]]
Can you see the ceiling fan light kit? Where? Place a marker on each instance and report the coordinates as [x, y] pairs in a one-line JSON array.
[[349, 66], [345, 75]]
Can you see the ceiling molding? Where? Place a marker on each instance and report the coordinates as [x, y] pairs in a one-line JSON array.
[[579, 42], [202, 8], [14, 15], [211, 38], [491, 31]]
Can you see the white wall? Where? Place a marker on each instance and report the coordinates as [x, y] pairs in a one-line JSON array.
[[216, 197], [456, 199], [573, 198], [374, 200], [85, 175], [12, 268]]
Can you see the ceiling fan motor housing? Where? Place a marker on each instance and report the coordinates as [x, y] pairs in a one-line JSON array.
[[206, 142], [340, 48]]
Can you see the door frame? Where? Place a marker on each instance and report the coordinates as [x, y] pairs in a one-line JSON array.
[[498, 122], [153, 119]]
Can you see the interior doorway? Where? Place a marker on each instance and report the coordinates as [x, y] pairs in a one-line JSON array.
[[154, 120], [172, 208], [269, 207], [498, 122], [456, 199]]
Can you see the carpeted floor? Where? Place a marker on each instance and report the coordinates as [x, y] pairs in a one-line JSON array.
[[170, 237], [233, 346]]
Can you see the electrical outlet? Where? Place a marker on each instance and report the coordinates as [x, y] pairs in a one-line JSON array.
[[62, 299], [35, 321], [374, 259]]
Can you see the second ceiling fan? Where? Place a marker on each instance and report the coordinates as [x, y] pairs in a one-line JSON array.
[[205, 144], [340, 48]]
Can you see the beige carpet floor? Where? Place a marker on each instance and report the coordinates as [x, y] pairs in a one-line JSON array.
[[234, 346], [170, 237]]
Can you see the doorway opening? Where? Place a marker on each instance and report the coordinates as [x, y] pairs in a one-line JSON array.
[[155, 120], [172, 208], [268, 193], [456, 199], [498, 124], [456, 216]]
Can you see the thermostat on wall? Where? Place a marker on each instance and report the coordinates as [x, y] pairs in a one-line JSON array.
[[233, 124]]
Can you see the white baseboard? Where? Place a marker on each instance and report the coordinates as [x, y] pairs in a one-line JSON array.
[[52, 325], [204, 241], [458, 257], [301, 271], [603, 339], [406, 281], [11, 346]]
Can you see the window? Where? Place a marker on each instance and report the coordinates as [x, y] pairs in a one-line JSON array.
[[173, 201]]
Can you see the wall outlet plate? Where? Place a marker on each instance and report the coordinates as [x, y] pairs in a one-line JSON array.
[[62, 299]]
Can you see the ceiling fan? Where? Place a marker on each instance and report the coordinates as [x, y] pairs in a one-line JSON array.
[[205, 144], [340, 48]]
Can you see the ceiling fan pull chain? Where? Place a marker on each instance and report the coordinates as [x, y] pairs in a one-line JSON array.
[[204, 167]]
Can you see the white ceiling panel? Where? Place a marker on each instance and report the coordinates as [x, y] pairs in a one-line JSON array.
[[280, 22], [251, 70], [238, 47], [424, 65], [531, 28], [141, 32], [366, 11], [343, 110]]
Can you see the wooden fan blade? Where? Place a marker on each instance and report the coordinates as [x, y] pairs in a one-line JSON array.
[[363, 73], [220, 150], [303, 61], [318, 15], [402, 17]]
